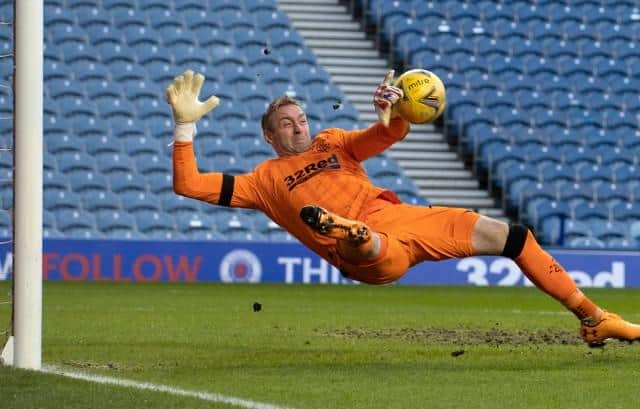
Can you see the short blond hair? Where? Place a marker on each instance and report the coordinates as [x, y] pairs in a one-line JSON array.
[[274, 106]]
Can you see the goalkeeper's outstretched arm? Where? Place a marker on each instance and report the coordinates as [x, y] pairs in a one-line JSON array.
[[213, 187]]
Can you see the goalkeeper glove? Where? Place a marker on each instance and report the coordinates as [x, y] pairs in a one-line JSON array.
[[183, 95], [385, 96]]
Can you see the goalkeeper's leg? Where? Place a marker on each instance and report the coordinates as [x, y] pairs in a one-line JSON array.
[[548, 275], [355, 240], [364, 255]]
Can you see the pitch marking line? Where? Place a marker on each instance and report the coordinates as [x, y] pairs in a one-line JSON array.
[[207, 396]]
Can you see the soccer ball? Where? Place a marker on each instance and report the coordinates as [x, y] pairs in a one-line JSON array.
[[424, 96]]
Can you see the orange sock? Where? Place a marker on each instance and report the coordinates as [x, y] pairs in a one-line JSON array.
[[552, 278]]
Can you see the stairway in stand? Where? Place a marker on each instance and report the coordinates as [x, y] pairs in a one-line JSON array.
[[355, 65]]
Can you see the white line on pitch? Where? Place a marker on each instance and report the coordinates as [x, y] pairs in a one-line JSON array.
[[207, 396]]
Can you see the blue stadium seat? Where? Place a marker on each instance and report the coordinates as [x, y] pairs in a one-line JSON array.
[[115, 223], [62, 144], [254, 147], [626, 211], [378, 166], [214, 146], [154, 110], [153, 5], [115, 164], [230, 165], [162, 18], [129, 18], [160, 184], [175, 205], [233, 223], [587, 243], [139, 201], [260, 5], [76, 223], [545, 209], [284, 37], [608, 230], [148, 164], [190, 56], [55, 201], [116, 109], [243, 38], [151, 54], [112, 5], [267, 20], [135, 146], [54, 181], [130, 182], [100, 145], [127, 127], [156, 225], [71, 162], [594, 173], [78, 53], [88, 182], [137, 37], [77, 4], [97, 202], [591, 210]]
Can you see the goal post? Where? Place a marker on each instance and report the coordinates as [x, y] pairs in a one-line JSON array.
[[24, 348]]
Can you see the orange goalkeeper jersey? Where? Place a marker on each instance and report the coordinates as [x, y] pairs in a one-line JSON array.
[[328, 174]]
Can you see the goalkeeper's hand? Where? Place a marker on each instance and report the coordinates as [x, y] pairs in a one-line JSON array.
[[183, 95], [385, 96]]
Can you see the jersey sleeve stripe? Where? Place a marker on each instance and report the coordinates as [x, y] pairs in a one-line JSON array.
[[226, 191]]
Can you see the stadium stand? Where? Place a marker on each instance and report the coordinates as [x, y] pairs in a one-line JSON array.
[[539, 73], [542, 107]]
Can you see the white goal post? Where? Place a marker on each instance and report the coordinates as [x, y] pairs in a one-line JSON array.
[[24, 347]]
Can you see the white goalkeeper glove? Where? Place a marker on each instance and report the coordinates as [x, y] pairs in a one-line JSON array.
[[385, 96], [183, 95]]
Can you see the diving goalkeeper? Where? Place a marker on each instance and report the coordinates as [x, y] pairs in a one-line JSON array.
[[317, 190]]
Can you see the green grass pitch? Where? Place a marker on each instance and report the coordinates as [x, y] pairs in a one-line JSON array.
[[319, 346]]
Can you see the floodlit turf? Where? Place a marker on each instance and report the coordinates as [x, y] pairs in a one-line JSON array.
[[325, 347]]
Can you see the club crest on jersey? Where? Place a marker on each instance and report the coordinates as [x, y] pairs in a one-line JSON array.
[[311, 170]]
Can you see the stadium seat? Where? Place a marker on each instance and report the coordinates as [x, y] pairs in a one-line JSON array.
[[176, 205], [261, 5], [112, 164], [54, 201], [149, 164], [54, 181], [122, 184], [76, 223], [157, 225], [591, 210], [97, 202], [81, 182], [115, 223], [160, 184], [70, 162], [268, 19]]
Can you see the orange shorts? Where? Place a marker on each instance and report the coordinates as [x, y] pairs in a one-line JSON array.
[[413, 234]]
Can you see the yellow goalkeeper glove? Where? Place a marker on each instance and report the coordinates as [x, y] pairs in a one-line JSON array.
[[183, 95]]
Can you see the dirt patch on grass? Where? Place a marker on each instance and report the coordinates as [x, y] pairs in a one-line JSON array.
[[467, 336]]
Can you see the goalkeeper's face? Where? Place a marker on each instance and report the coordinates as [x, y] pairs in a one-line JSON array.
[[288, 130]]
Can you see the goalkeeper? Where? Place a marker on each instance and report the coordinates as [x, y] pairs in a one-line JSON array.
[[317, 190]]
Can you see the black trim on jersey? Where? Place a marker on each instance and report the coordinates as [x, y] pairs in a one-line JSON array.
[[226, 191]]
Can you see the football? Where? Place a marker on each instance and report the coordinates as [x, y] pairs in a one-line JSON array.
[[424, 98]]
